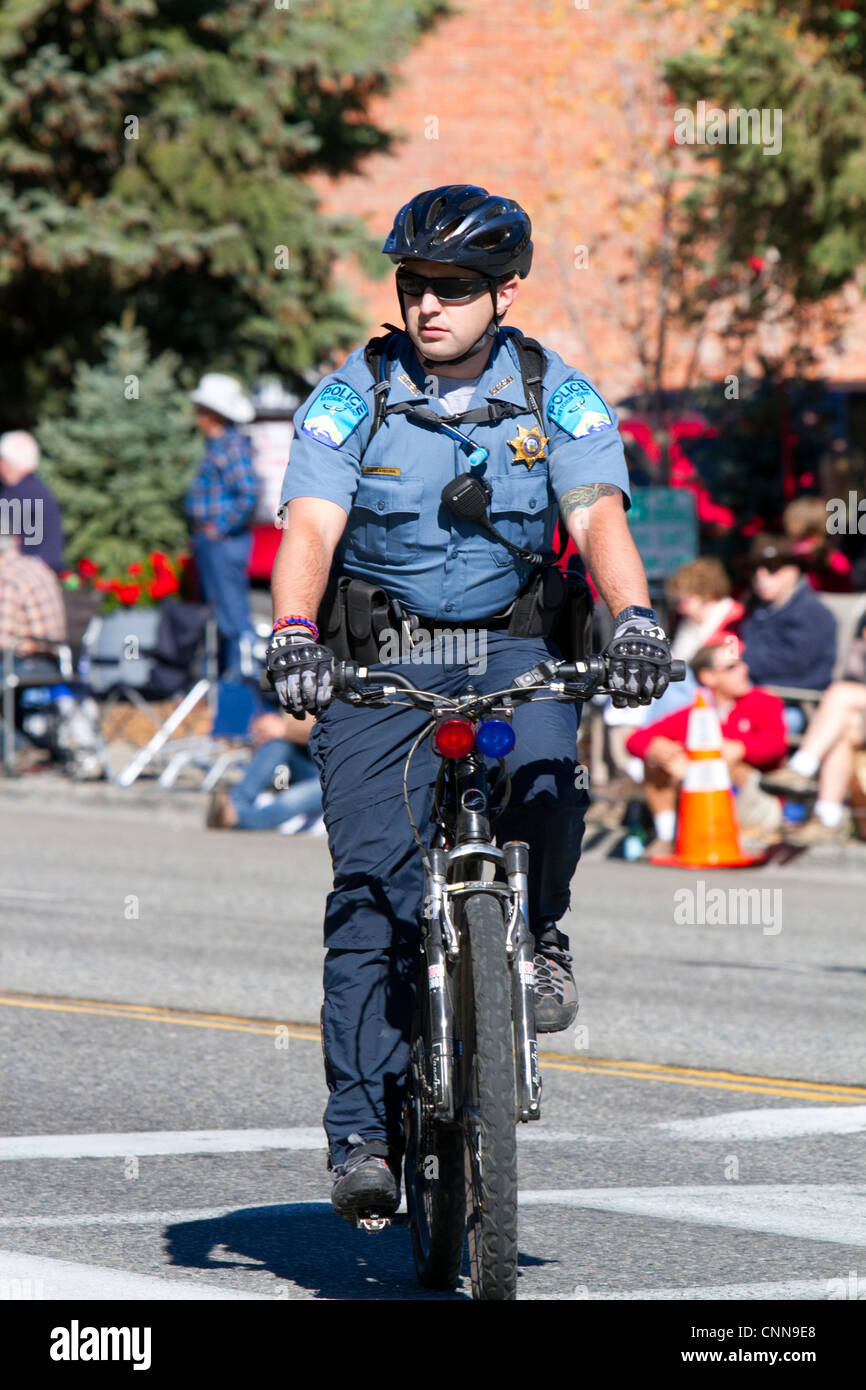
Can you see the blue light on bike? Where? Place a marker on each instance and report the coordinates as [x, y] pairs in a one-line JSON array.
[[494, 738]]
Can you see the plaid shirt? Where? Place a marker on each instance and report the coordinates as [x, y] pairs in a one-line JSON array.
[[225, 489], [31, 604]]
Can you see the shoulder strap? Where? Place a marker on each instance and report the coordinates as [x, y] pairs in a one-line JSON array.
[[530, 355], [378, 361]]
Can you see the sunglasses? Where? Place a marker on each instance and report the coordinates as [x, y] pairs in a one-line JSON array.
[[449, 289]]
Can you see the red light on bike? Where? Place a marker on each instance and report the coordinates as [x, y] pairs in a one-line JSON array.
[[454, 738]]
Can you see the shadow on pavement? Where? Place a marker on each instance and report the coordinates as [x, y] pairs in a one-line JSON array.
[[305, 1244]]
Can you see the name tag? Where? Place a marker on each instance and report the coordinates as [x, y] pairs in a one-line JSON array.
[[380, 471]]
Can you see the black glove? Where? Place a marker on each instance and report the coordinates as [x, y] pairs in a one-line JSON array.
[[301, 673], [639, 662]]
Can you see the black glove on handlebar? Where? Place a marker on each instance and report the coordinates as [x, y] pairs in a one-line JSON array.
[[301, 673], [639, 663]]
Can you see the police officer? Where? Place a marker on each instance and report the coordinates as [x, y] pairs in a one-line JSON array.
[[362, 497]]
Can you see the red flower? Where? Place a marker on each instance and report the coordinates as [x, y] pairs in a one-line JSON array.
[[128, 593], [87, 569], [134, 569], [163, 585], [160, 561], [103, 585], [756, 263]]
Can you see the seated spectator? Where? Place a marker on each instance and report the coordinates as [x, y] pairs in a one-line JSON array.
[[32, 615], [753, 738], [789, 636], [282, 754], [701, 592], [30, 503], [824, 762], [805, 524]]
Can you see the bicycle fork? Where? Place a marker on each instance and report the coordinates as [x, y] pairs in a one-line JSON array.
[[441, 943]]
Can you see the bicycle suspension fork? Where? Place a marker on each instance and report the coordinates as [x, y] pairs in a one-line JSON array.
[[521, 948], [442, 1052]]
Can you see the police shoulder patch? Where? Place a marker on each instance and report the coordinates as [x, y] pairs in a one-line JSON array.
[[578, 409], [333, 414]]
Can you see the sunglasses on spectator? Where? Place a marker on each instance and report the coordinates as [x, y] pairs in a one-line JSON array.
[[449, 289]]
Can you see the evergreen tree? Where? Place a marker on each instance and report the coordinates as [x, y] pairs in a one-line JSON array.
[[121, 461], [154, 154]]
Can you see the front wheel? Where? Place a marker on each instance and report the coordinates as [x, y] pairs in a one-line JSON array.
[[490, 1105], [433, 1169]]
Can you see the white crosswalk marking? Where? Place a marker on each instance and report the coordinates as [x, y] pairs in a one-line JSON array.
[[150, 1143], [32, 1276], [814, 1289], [748, 1126], [834, 1213]]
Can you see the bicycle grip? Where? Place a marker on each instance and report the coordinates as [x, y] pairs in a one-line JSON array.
[[678, 670], [265, 682]]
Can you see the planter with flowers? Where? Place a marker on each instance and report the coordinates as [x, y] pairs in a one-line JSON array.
[[144, 585]]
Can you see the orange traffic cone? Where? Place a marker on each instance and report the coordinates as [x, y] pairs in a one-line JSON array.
[[707, 833]]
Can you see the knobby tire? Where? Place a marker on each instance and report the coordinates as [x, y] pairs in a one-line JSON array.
[[490, 1108], [434, 1171]]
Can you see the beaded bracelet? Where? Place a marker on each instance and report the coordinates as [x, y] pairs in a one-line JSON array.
[[295, 620]]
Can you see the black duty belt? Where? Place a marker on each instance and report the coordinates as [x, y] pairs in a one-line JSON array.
[[498, 622]]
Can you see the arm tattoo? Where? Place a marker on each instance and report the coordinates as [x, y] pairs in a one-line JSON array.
[[584, 496]]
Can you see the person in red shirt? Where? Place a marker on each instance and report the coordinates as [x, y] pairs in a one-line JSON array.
[[754, 739]]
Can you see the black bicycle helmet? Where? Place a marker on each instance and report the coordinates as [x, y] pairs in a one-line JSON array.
[[464, 225]]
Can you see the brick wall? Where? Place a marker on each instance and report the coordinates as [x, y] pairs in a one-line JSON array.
[[561, 108]]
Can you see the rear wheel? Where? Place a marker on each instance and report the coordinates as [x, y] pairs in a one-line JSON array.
[[489, 1105]]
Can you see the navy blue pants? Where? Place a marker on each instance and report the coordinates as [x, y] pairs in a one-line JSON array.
[[372, 919]]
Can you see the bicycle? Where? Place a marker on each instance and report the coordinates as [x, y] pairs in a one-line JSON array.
[[474, 1070]]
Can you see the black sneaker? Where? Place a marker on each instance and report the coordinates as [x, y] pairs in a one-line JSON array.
[[555, 990], [364, 1181]]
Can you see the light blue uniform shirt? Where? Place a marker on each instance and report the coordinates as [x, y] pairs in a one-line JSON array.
[[399, 533]]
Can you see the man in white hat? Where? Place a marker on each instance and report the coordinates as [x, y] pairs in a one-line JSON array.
[[28, 507], [220, 504]]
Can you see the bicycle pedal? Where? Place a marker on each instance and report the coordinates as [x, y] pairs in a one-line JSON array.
[[371, 1221]]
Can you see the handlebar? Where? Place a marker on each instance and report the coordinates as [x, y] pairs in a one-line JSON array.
[[578, 679]]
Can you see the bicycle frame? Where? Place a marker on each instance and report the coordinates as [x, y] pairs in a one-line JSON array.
[[453, 871], [452, 874]]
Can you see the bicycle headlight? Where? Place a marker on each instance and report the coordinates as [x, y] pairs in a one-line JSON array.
[[454, 738], [494, 738]]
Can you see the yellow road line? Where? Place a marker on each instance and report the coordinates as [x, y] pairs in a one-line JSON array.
[[557, 1061], [146, 1013], [705, 1073], [791, 1089]]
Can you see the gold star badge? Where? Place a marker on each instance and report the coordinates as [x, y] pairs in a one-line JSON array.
[[528, 446]]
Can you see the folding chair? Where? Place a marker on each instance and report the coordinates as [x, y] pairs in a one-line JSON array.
[[49, 667], [136, 656]]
